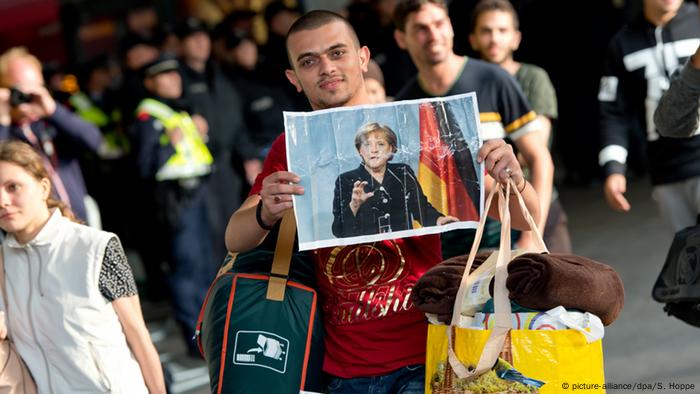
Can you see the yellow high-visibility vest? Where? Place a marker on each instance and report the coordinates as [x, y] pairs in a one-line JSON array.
[[87, 110], [192, 157]]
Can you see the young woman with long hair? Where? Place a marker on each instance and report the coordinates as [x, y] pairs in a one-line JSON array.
[[72, 306]]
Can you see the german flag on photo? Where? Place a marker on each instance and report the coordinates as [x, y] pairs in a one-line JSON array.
[[446, 169]]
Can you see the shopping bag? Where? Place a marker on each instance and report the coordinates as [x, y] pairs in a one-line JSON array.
[[14, 377], [678, 284], [259, 329], [458, 357]]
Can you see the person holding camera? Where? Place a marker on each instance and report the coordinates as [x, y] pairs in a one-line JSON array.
[[28, 113]]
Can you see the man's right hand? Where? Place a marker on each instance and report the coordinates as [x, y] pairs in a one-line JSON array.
[[276, 194], [5, 107], [615, 188]]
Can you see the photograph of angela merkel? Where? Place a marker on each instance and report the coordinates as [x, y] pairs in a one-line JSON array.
[[380, 196]]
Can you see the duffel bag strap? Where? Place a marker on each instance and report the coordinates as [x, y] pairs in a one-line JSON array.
[[282, 259], [229, 264]]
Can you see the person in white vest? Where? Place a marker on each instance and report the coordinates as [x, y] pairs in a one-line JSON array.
[[71, 302]]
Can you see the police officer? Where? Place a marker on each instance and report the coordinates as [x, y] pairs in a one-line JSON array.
[[172, 154]]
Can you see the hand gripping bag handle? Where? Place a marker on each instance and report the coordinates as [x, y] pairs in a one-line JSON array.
[[502, 311]]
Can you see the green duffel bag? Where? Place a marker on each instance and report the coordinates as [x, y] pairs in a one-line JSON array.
[[259, 329]]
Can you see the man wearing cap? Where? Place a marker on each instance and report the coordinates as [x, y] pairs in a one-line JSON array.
[[210, 94], [171, 153]]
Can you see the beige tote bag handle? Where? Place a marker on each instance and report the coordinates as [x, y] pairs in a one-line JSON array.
[[502, 311]]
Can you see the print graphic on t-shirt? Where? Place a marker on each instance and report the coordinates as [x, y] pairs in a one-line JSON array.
[[371, 282], [261, 349]]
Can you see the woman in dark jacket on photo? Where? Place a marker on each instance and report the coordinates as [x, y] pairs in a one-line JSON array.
[[379, 196]]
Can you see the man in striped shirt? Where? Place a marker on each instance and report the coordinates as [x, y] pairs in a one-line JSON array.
[[423, 28]]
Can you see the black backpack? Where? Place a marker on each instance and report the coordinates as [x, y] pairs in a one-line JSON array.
[[678, 285]]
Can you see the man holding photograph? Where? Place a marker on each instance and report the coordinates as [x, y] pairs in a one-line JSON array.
[[374, 337]]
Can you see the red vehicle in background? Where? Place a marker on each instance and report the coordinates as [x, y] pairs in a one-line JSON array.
[[35, 24]]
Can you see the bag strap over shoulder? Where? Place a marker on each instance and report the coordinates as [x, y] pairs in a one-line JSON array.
[[282, 259]]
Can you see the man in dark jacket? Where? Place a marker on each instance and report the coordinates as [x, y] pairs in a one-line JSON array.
[[263, 101], [211, 95], [640, 60], [28, 113]]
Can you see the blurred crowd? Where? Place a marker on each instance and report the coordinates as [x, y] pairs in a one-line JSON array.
[[219, 90]]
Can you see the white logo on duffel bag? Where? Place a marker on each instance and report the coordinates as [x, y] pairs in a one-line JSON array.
[[261, 349]]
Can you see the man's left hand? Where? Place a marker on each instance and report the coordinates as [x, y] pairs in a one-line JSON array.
[[44, 104], [443, 220], [202, 126], [500, 161]]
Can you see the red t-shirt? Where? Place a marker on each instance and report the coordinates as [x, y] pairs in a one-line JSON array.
[[372, 327]]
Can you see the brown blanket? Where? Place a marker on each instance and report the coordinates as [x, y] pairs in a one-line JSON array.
[[536, 281], [436, 290], [544, 281]]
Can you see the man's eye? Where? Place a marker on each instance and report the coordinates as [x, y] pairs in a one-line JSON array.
[[338, 53], [307, 62], [12, 187]]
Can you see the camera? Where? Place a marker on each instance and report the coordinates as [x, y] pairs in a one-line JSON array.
[[18, 97]]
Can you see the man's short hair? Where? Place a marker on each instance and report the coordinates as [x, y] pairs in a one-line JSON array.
[[484, 6], [13, 54], [315, 19], [404, 8]]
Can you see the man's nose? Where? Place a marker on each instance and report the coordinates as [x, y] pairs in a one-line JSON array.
[[327, 67], [433, 32]]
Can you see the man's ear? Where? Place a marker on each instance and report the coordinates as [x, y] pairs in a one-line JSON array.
[[517, 37], [292, 77], [363, 53], [472, 41], [400, 38]]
